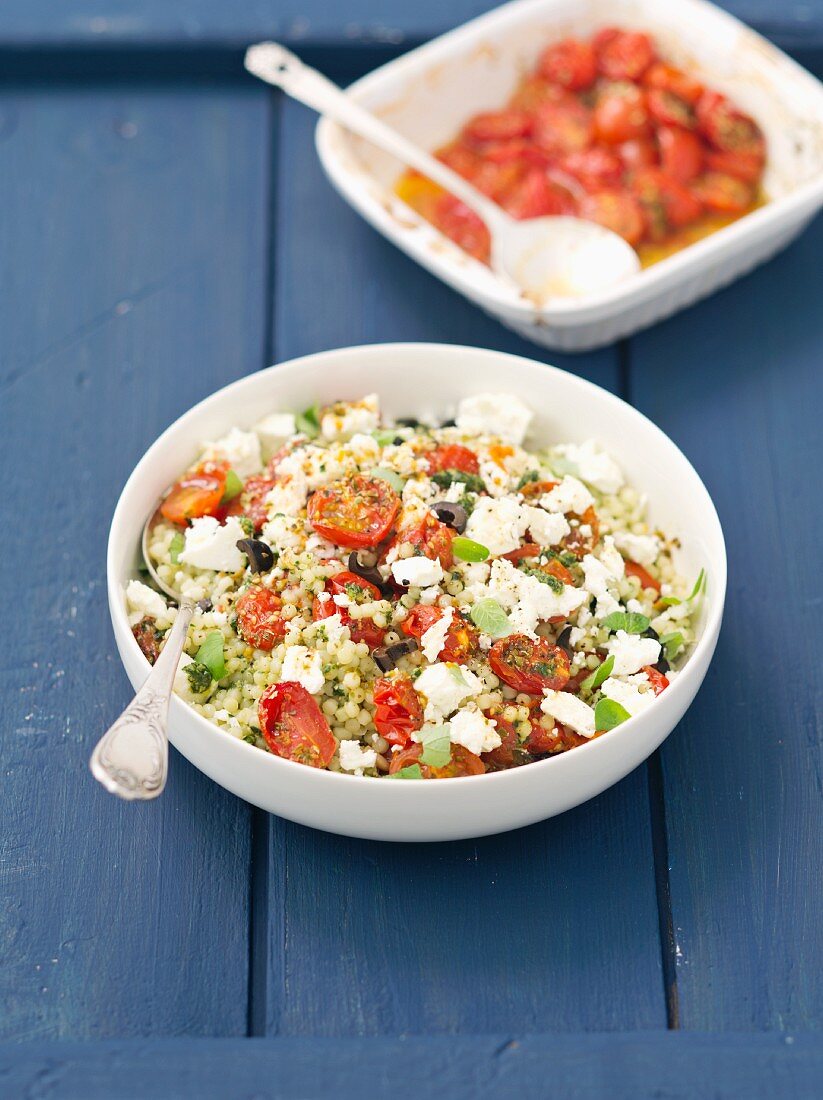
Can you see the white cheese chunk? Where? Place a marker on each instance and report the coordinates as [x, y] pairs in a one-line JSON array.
[[445, 687], [628, 694], [288, 495], [473, 731], [275, 429], [240, 449], [598, 580], [349, 418], [527, 599], [496, 524], [283, 532], [546, 528], [498, 414], [213, 545], [643, 549], [354, 758], [570, 495], [631, 652], [302, 666], [593, 466], [418, 571], [571, 711], [142, 600], [433, 639]]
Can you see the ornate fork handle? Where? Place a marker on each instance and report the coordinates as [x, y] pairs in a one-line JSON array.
[[131, 758]]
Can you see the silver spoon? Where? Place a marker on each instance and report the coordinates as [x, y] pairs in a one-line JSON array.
[[132, 758], [546, 257]]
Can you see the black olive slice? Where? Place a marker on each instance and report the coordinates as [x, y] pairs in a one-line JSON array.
[[662, 666], [563, 640], [387, 656], [205, 605], [259, 553], [452, 514], [369, 573]]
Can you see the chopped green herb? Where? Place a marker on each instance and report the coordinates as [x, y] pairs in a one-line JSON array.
[[630, 621], [672, 644], [175, 546], [608, 714], [234, 487], [554, 583], [444, 478], [699, 586], [211, 655], [598, 676], [394, 479], [412, 771], [250, 738], [199, 677], [489, 617], [457, 675], [469, 550], [436, 745], [384, 437], [248, 528], [527, 478], [308, 422]]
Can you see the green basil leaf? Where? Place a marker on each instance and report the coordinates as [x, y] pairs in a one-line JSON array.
[[234, 487], [490, 618], [436, 742], [175, 547], [308, 422], [211, 655], [699, 586], [412, 771], [394, 479], [672, 644], [384, 437], [630, 621], [608, 714], [599, 675], [468, 549]]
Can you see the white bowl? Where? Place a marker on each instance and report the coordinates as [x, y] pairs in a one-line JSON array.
[[425, 380], [430, 92]]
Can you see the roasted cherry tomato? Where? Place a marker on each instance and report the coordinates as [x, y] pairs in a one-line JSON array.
[[252, 501], [397, 709], [534, 91], [451, 456], [461, 639], [294, 726], [597, 169], [571, 64], [670, 79], [358, 590], [620, 114], [623, 55], [498, 126], [559, 738], [535, 196], [355, 512], [259, 618], [534, 489], [509, 753], [431, 536], [725, 194], [460, 224], [727, 128], [638, 153], [744, 166], [658, 681], [523, 153], [198, 493], [584, 536], [617, 210], [564, 127], [528, 665], [148, 638], [668, 109], [666, 203], [462, 763], [633, 569], [681, 153]]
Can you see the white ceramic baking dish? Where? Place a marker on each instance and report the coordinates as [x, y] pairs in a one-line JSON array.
[[429, 93]]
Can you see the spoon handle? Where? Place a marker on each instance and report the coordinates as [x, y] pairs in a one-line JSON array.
[[276, 65], [131, 758]]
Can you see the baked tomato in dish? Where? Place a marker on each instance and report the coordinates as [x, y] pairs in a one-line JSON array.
[[462, 763], [461, 641], [259, 618], [571, 63], [398, 712], [357, 591], [623, 55], [452, 456], [432, 537], [529, 665], [294, 727], [357, 512]]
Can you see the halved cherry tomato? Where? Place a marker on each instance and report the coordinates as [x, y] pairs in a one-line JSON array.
[[252, 501], [461, 641], [533, 92], [563, 127], [725, 194], [533, 489], [670, 79], [359, 591], [535, 196], [669, 109], [571, 64], [529, 550], [528, 665], [496, 178], [460, 224], [462, 763], [666, 203], [620, 114], [727, 128], [633, 569], [355, 512], [198, 493], [597, 169], [744, 166], [397, 709], [617, 210], [638, 153], [451, 456], [294, 726], [623, 55], [432, 537], [584, 536], [509, 753], [148, 638], [559, 738], [524, 153], [658, 681], [681, 153], [498, 126], [259, 618], [461, 159]]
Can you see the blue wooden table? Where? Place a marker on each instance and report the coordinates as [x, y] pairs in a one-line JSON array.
[[165, 229]]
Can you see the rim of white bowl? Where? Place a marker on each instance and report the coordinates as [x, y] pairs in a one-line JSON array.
[[121, 517]]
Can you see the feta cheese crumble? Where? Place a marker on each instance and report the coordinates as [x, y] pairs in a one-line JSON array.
[[474, 731], [142, 600], [240, 449], [628, 694], [433, 639], [593, 466], [418, 571], [355, 759], [631, 652], [498, 414], [303, 667], [445, 687], [643, 549], [213, 545], [571, 711], [570, 495]]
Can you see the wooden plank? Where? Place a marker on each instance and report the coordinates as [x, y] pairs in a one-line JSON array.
[[133, 283], [678, 1066], [737, 384], [205, 22], [551, 928]]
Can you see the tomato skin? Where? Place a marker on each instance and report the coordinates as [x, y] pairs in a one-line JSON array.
[[461, 764], [723, 193], [670, 79], [462, 639], [666, 203], [533, 489], [198, 493], [534, 91], [727, 128], [658, 681], [623, 55], [597, 169], [571, 63], [681, 153], [398, 710], [509, 753], [744, 166], [431, 536], [535, 196], [294, 726], [618, 211], [356, 512], [563, 127], [259, 618], [498, 126], [361, 630], [633, 569], [252, 501], [460, 224], [529, 666], [452, 456], [548, 742], [579, 543], [637, 153], [620, 114], [668, 109], [148, 638]]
